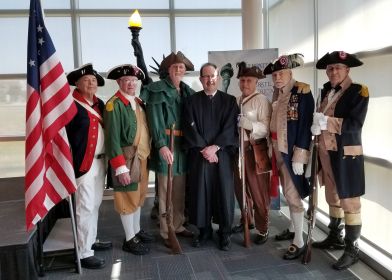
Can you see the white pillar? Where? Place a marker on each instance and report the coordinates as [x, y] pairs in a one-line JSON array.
[[252, 24]]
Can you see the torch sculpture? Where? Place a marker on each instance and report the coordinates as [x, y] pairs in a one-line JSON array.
[[135, 25]]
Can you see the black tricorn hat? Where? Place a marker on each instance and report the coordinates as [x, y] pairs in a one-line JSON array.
[[253, 71], [338, 57], [125, 70], [284, 62], [176, 58], [83, 70]]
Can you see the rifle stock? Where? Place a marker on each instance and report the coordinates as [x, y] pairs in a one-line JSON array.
[[306, 258], [244, 210], [174, 244]]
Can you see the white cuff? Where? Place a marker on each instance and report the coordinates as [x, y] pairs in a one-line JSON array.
[[121, 169], [323, 122], [259, 130]]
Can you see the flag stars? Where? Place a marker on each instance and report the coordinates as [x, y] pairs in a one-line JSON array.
[[41, 41], [32, 63], [39, 28]]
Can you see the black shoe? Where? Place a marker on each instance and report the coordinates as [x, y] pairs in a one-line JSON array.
[[285, 235], [135, 246], [293, 252], [332, 242], [145, 237], [349, 257], [101, 245], [240, 228], [225, 243], [92, 262], [261, 238], [202, 238]]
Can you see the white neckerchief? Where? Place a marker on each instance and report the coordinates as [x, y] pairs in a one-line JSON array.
[[131, 99]]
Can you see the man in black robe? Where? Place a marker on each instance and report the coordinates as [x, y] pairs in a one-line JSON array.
[[211, 140]]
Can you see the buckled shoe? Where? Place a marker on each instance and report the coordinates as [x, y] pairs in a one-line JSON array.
[[285, 235], [135, 246], [92, 263], [145, 237], [101, 245], [293, 252], [261, 238]]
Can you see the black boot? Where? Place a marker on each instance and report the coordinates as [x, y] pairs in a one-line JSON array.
[[351, 252], [334, 239]]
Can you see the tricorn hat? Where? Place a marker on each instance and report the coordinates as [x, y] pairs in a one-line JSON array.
[[125, 70], [83, 70], [253, 71], [176, 58], [284, 62], [338, 57]]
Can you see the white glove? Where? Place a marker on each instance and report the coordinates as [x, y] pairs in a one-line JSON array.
[[321, 119], [298, 168], [315, 129], [245, 123], [259, 130]]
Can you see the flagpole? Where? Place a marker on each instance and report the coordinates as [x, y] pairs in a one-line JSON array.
[[71, 211], [41, 269]]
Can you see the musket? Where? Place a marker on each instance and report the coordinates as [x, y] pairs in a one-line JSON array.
[[244, 210], [312, 203], [312, 198], [174, 244]]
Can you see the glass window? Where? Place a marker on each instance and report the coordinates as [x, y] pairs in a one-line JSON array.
[[195, 36], [356, 25], [13, 59], [292, 33], [207, 4], [25, 4], [60, 31], [12, 107], [12, 159], [124, 4], [117, 48]]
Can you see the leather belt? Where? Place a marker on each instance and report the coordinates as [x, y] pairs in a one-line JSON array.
[[175, 132], [100, 156]]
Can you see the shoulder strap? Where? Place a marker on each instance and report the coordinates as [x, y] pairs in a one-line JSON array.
[[251, 97], [138, 129], [91, 110]]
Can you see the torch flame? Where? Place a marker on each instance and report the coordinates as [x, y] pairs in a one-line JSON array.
[[135, 20]]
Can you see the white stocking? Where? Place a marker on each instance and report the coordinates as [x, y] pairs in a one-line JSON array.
[[136, 220], [127, 222], [298, 222]]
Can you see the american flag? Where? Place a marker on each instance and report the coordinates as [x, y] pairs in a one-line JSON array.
[[49, 172]]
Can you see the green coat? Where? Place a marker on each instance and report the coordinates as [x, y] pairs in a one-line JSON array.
[[164, 107], [120, 131]]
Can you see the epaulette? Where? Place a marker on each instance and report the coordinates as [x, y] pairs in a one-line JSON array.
[[109, 104], [302, 87], [364, 91]]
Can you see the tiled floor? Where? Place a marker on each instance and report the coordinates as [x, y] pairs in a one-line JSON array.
[[258, 262]]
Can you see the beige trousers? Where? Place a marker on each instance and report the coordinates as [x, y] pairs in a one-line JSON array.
[[178, 203]]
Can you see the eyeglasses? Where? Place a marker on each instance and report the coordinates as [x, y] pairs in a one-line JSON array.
[[129, 80]]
